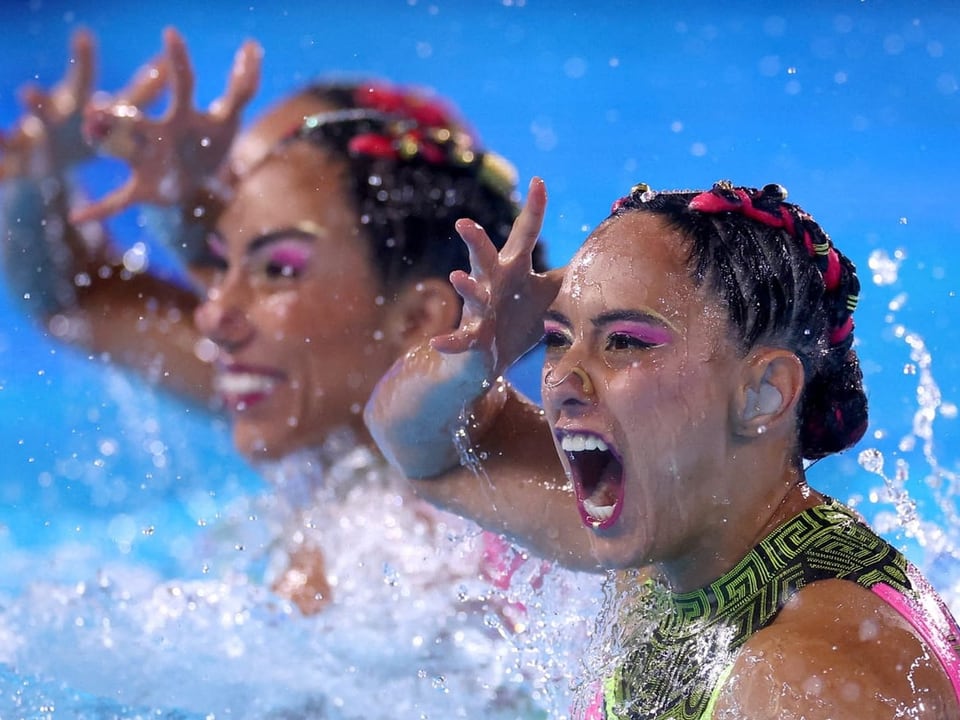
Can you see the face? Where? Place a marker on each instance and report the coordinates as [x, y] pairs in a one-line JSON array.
[[637, 379], [297, 311]]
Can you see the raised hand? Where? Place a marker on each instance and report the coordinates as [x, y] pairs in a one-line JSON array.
[[172, 157], [47, 140], [503, 298]]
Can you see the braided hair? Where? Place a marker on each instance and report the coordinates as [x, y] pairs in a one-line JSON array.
[[414, 169], [784, 284]]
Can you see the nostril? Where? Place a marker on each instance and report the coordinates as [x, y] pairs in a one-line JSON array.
[[230, 329]]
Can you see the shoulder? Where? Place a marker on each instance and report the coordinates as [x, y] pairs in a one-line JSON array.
[[837, 650]]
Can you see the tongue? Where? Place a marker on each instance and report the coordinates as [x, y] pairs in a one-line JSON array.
[[607, 490]]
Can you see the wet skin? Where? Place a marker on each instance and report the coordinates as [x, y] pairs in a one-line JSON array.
[[297, 312], [656, 351]]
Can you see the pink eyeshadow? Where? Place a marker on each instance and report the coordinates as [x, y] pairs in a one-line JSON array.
[[644, 332], [217, 246], [292, 254]]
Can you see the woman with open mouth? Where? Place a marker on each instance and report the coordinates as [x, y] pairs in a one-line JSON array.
[[699, 353]]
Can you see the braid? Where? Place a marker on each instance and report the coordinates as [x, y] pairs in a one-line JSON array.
[[783, 282], [414, 169]]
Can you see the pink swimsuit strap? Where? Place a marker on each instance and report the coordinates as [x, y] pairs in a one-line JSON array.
[[928, 615]]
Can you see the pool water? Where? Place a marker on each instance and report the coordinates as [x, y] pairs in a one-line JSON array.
[[132, 536]]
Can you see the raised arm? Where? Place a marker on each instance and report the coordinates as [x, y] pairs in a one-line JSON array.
[[56, 255], [445, 417], [44, 254]]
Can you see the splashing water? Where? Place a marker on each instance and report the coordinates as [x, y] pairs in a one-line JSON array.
[[204, 637], [934, 533], [415, 629]]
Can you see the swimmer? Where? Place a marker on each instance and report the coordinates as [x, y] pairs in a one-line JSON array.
[[699, 353], [318, 248]]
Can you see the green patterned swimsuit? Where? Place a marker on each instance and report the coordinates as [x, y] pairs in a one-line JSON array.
[[677, 673]]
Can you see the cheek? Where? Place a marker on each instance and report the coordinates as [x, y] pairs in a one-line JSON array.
[[279, 305], [654, 409], [284, 316]]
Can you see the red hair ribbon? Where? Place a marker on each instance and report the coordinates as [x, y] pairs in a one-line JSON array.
[[713, 201], [423, 111], [424, 128], [725, 198]]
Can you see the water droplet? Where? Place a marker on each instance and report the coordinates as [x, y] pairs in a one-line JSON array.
[[871, 460]]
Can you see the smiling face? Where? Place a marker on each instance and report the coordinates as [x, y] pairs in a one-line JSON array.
[[637, 383], [297, 313]]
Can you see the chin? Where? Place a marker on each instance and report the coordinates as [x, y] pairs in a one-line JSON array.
[[254, 444], [615, 554]]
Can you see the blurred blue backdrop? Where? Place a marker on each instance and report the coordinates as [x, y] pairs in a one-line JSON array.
[[854, 106]]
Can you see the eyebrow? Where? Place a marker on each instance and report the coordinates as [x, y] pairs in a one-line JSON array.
[[556, 317], [642, 316], [273, 236]]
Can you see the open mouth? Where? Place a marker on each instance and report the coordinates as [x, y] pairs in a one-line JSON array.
[[241, 389], [597, 475]]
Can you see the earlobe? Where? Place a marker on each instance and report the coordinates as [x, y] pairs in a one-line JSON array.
[[421, 310]]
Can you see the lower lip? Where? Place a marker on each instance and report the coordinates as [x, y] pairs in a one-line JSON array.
[[242, 403], [595, 524]]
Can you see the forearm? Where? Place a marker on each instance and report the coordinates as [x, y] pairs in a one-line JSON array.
[[514, 484], [54, 271], [185, 229], [425, 406], [44, 255], [477, 448]]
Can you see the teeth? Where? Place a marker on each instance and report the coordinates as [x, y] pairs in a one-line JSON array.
[[598, 512], [580, 443], [243, 383]]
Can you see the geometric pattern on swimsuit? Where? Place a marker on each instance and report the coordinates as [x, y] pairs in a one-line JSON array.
[[675, 671]]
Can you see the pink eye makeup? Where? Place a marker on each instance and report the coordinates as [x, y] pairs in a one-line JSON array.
[[217, 252], [282, 253], [216, 245], [552, 326], [615, 330], [637, 332], [555, 334], [292, 254]]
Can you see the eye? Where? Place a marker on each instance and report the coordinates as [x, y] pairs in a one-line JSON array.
[[625, 341], [554, 339], [277, 270], [287, 259], [215, 257]]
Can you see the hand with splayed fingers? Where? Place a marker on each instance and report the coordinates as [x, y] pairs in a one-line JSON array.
[[47, 139], [172, 157], [503, 298]]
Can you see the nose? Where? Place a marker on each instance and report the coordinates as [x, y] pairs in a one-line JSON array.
[[223, 316], [568, 383]]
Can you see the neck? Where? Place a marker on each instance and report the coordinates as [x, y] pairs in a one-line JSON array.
[[740, 518]]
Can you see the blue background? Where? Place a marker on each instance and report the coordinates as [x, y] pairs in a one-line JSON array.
[[854, 106]]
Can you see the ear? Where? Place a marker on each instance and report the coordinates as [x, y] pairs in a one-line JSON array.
[[421, 310], [770, 386]]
